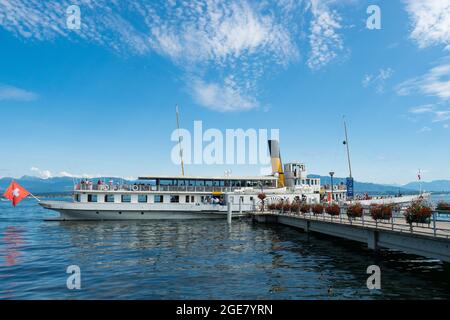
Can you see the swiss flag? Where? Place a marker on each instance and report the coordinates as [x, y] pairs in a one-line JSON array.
[[15, 193]]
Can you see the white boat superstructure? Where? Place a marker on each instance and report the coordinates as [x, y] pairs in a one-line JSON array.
[[188, 197]]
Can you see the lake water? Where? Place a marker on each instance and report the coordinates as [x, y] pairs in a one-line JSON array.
[[204, 259]]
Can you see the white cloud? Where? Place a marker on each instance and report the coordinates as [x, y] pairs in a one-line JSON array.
[[378, 81], [222, 97], [44, 174], [324, 40], [442, 115], [436, 82], [217, 32], [430, 21], [425, 129], [243, 40], [8, 92], [235, 41], [446, 126], [438, 112], [422, 109]]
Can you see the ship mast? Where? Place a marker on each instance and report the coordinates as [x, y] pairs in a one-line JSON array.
[[179, 140], [348, 151]]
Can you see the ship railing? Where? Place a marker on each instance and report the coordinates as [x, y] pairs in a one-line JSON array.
[[138, 187], [116, 187]]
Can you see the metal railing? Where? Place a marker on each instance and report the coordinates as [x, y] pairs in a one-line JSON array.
[[396, 223]]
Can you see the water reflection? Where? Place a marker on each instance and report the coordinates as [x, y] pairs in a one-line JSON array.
[[12, 241]]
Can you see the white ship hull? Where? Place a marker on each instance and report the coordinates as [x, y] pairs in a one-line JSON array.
[[79, 211]]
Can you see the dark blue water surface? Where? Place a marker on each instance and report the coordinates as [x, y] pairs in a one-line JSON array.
[[202, 259]]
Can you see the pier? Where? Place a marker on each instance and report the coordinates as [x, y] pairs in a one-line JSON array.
[[428, 240]]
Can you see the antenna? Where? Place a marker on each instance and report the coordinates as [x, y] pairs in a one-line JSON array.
[[348, 151], [179, 140]]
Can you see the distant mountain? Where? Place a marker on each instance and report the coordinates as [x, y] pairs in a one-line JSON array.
[[362, 187], [433, 186], [39, 185], [65, 184]]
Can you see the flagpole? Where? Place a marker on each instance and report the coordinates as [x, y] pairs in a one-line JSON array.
[[39, 200], [420, 182]]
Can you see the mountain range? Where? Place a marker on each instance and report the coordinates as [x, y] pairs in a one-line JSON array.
[[65, 185]]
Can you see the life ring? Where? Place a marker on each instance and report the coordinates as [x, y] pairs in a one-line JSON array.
[[135, 188], [106, 187], [116, 188]]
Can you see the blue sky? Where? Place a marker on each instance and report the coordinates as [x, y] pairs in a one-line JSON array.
[[100, 100]]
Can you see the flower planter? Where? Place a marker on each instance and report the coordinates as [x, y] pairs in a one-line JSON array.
[[418, 212], [305, 208], [355, 211], [333, 210], [381, 212], [317, 209]]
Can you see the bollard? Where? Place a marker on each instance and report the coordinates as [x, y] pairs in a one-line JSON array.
[[229, 213]]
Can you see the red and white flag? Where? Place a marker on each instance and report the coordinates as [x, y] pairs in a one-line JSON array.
[[15, 193]]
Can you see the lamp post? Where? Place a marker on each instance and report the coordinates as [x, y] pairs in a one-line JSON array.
[[331, 175]]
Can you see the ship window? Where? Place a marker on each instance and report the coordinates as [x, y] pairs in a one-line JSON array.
[[142, 198], [166, 182], [77, 198], [159, 198], [109, 198], [187, 199], [174, 199], [126, 198], [192, 199], [92, 198]]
